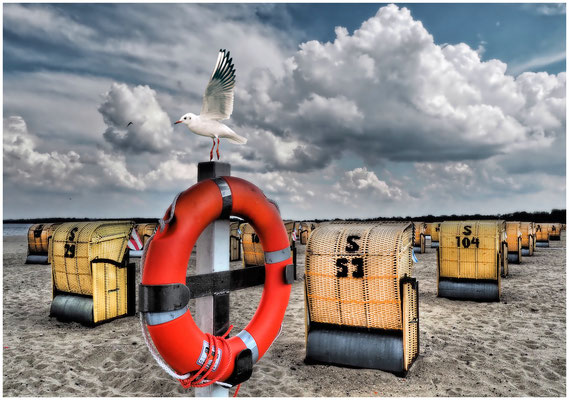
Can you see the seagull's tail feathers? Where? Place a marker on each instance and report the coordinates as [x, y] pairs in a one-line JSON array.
[[235, 138]]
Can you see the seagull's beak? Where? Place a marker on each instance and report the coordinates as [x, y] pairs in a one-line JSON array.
[[177, 122]]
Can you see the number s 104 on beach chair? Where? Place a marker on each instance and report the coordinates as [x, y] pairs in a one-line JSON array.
[[469, 260]]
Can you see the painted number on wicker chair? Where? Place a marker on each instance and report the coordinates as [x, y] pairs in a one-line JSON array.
[[37, 231], [466, 242], [70, 247], [342, 267], [352, 245]]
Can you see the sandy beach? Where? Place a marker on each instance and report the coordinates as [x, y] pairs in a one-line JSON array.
[[516, 347]]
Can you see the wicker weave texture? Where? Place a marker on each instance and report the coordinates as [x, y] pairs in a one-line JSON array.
[[353, 272], [513, 235], [38, 237], [73, 248], [145, 231], [470, 249], [410, 324]]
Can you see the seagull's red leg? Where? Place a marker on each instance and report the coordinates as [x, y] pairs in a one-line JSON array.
[[211, 151], [218, 148]]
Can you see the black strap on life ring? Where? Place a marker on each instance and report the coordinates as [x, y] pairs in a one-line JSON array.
[[225, 197], [159, 298]]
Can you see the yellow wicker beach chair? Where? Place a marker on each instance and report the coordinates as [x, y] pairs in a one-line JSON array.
[[469, 260], [514, 240], [39, 236], [554, 232], [541, 235], [253, 254], [432, 230], [92, 279], [361, 300], [528, 238], [306, 229]]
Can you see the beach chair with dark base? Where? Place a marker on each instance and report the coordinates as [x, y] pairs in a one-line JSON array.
[[541, 235], [419, 241], [514, 240], [554, 232], [528, 238], [361, 302], [93, 281], [469, 260], [432, 231], [39, 236]]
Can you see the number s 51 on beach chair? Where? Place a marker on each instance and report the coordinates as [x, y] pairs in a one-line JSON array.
[[361, 299]]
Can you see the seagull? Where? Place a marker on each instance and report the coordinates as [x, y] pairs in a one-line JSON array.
[[129, 124], [217, 105]]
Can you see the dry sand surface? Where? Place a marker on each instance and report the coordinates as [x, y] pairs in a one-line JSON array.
[[512, 348]]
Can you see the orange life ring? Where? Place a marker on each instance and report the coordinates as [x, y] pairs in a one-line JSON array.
[[175, 335]]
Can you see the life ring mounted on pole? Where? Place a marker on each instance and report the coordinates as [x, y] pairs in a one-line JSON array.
[[194, 357]]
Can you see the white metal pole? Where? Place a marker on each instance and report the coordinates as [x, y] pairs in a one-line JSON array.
[[212, 255]]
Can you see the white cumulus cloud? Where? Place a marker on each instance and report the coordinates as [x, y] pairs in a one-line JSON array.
[[151, 128]]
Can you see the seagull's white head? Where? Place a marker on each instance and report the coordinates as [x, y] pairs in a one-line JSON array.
[[188, 119]]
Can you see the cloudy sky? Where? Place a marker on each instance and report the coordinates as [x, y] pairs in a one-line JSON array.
[[350, 110]]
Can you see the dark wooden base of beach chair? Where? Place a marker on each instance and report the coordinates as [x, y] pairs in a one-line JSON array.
[[469, 290]]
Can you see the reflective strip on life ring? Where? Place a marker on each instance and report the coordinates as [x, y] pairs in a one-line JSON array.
[[175, 334]]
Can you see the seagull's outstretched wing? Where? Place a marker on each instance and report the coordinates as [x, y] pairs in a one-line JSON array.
[[218, 96]]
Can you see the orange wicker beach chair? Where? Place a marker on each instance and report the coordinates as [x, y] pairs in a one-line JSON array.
[[361, 301]]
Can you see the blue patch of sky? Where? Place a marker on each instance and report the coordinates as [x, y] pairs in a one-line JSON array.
[[513, 33]]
